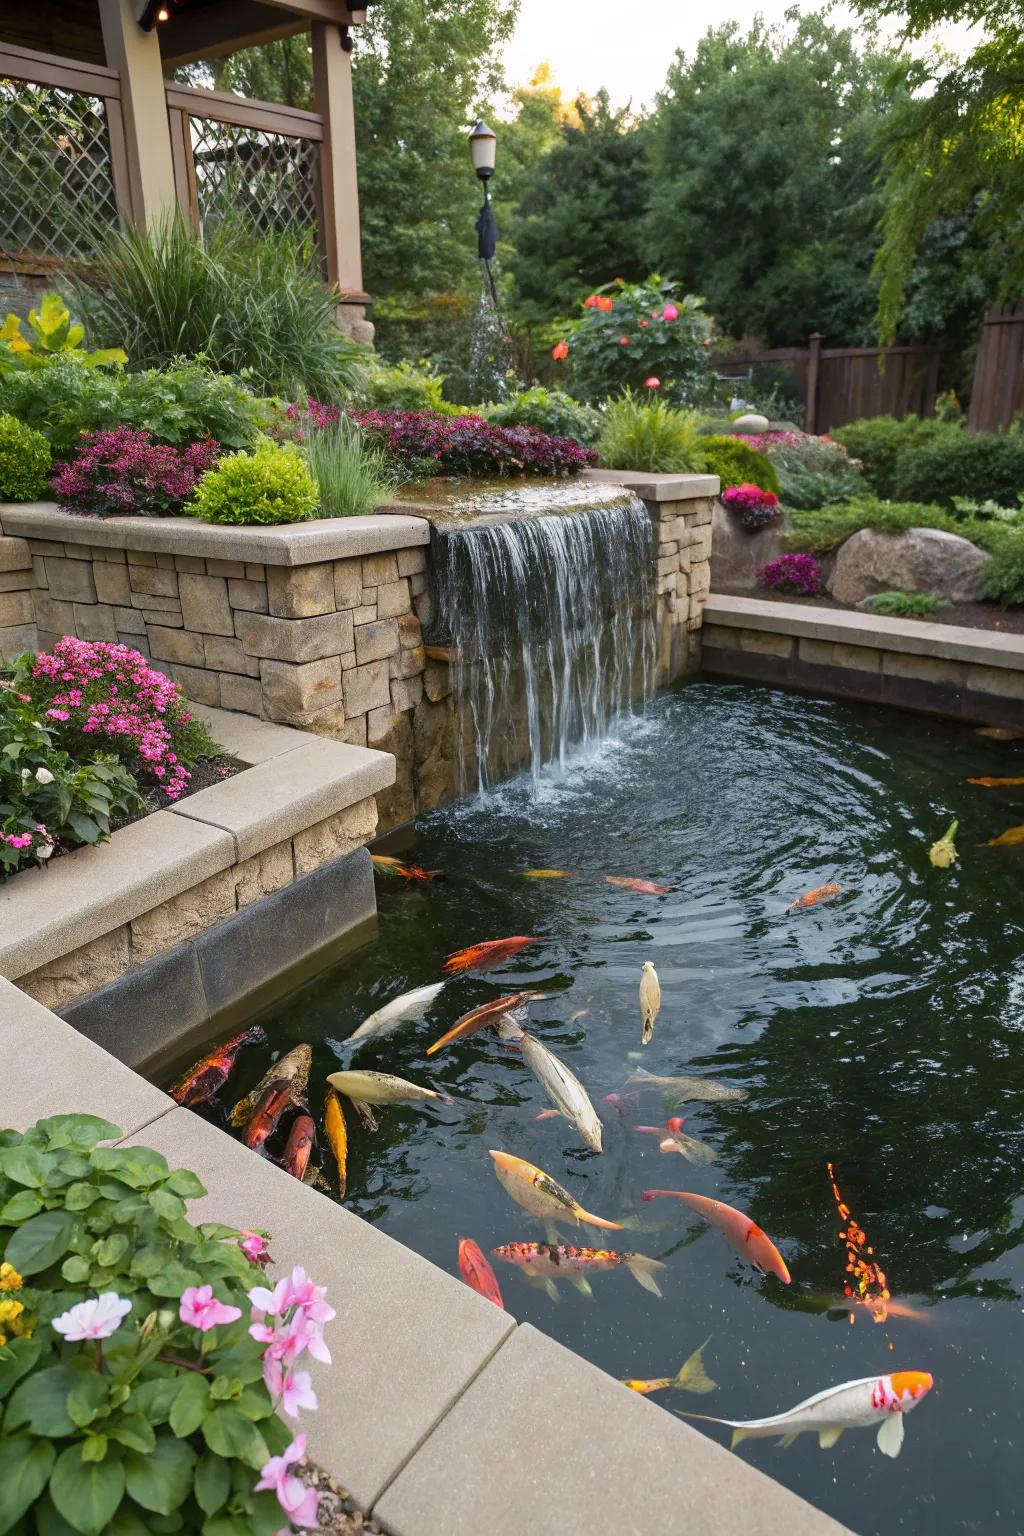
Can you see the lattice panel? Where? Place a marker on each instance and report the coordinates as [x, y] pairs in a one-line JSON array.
[[56, 185], [271, 178]]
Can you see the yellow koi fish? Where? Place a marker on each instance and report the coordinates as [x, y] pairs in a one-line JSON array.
[[541, 1195], [691, 1377]]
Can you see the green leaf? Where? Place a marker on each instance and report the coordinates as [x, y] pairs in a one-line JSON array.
[[138, 1167], [21, 1206], [112, 1249], [80, 1196], [75, 1270], [24, 1468], [41, 1403], [127, 1522], [17, 1358], [229, 1433], [133, 1431], [88, 1398], [173, 1278], [154, 1399], [226, 1525], [183, 1182], [169, 1207], [40, 1242], [190, 1405], [213, 1483], [94, 1448], [48, 1522], [264, 1514], [161, 1480], [79, 1131], [86, 1493], [24, 1165]]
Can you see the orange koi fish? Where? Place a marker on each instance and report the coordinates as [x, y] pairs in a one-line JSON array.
[[557, 1261], [299, 1147], [999, 733], [479, 1018], [292, 1068], [811, 898], [691, 1377], [204, 1080], [642, 887], [541, 1195], [391, 866], [990, 783], [868, 1284], [337, 1137], [481, 957], [677, 1140], [738, 1230], [1008, 839], [548, 874], [476, 1270], [270, 1108]]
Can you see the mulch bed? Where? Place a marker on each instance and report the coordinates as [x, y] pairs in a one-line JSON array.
[[970, 615]]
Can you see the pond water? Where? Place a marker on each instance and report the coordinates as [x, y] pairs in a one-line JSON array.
[[881, 1032]]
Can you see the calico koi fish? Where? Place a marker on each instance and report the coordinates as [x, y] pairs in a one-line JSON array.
[[677, 1140], [557, 1261], [206, 1077], [541, 1195], [811, 898], [382, 1088], [337, 1137], [292, 1068], [475, 1268], [881, 1400], [479, 1018], [692, 1088], [481, 957], [650, 999], [299, 1147], [642, 887], [691, 1377], [738, 1230], [411, 1005], [391, 866], [564, 1089]]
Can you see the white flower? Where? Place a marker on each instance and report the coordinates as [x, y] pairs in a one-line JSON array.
[[25, 775], [44, 851], [96, 1319], [44, 776]]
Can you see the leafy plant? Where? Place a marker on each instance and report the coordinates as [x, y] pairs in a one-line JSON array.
[[62, 400], [123, 473], [792, 573], [246, 304], [812, 471], [352, 478], [549, 410], [136, 1396], [982, 465], [634, 336], [24, 461], [650, 435], [905, 605], [735, 462], [880, 443], [53, 334], [406, 387], [421, 443], [757, 508], [187, 401], [820, 529], [272, 484]]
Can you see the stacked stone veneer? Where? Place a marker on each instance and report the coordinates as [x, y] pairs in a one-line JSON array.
[[683, 529]]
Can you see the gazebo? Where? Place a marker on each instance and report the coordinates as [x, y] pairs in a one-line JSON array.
[[92, 129]]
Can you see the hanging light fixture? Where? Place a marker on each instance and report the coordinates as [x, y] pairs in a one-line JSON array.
[[482, 145], [154, 12]]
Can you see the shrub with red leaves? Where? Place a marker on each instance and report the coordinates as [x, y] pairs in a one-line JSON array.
[[123, 473], [422, 443]]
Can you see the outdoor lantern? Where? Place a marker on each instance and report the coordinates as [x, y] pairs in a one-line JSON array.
[[482, 144]]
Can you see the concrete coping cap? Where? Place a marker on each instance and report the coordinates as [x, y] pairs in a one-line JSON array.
[[653, 487]]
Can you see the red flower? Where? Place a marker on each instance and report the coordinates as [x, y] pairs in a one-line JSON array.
[[623, 341], [605, 302], [644, 324], [560, 350], [590, 302], [652, 383]]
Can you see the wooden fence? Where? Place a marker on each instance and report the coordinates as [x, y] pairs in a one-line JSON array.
[[997, 394], [841, 384]]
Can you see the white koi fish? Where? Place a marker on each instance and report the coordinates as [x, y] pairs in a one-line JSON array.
[[650, 999], [411, 1005], [564, 1089], [381, 1088], [881, 1400]]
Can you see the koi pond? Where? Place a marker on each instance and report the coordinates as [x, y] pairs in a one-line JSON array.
[[880, 1032]]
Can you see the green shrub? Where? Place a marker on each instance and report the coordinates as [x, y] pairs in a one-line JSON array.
[[406, 387], [62, 400], [1004, 574], [650, 435], [880, 443], [813, 471], [987, 466], [820, 529], [270, 485], [246, 304], [352, 478], [24, 461], [551, 411], [905, 605], [736, 463], [187, 401], [631, 332]]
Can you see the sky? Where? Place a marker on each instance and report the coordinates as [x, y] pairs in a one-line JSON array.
[[628, 48]]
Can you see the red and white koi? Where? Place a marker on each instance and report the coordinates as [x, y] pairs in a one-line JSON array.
[[738, 1230], [549, 1262], [677, 1140], [873, 1400]]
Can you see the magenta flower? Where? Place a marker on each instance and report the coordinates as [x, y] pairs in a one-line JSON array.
[[200, 1309], [670, 312], [298, 1502], [96, 1319], [254, 1246]]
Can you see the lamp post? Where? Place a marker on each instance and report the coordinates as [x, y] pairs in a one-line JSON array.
[[482, 145]]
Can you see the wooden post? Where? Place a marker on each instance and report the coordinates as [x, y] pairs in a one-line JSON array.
[[135, 55], [813, 370], [332, 87]]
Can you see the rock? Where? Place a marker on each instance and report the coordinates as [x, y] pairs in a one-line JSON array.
[[921, 560], [737, 555], [751, 422]]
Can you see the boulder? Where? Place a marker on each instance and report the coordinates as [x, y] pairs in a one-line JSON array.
[[751, 422], [921, 560], [737, 555]]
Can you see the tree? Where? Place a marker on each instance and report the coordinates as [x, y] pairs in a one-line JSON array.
[[763, 162]]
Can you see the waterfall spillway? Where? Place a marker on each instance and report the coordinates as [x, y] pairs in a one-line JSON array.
[[550, 619]]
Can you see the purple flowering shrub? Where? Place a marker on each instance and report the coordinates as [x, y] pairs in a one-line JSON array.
[[123, 473], [422, 443], [792, 573]]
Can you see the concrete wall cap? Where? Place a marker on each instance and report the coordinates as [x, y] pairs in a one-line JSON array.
[[328, 538], [245, 737], [654, 487]]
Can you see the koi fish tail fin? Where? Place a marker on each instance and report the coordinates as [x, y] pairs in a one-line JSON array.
[[597, 1221], [642, 1269], [552, 1289], [648, 1034], [692, 1377]]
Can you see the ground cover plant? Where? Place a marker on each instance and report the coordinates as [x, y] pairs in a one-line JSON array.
[[736, 462], [637, 336], [122, 472], [811, 471], [421, 443], [905, 605], [650, 434], [549, 410], [143, 1357], [24, 461], [799, 573]]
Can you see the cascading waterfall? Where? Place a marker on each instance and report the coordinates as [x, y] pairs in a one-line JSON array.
[[550, 619]]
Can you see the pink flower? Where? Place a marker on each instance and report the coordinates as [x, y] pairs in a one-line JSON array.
[[644, 324], [295, 1290], [623, 341], [96, 1319], [294, 1388], [652, 383], [298, 1502], [254, 1246], [200, 1309], [19, 839], [670, 312]]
